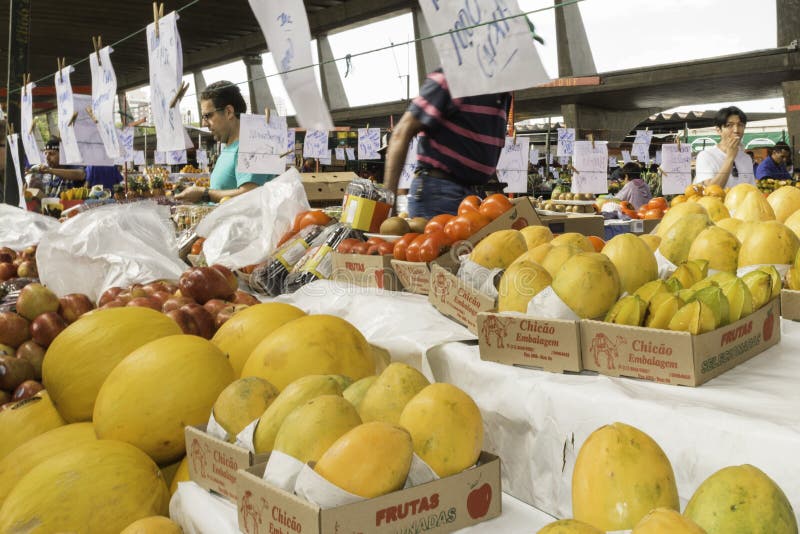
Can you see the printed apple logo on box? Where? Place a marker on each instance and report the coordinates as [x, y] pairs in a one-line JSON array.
[[769, 324], [478, 501]]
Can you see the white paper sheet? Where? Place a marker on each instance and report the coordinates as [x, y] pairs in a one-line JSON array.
[[351, 153], [286, 30], [327, 159], [657, 159], [159, 157], [32, 151], [512, 167], [315, 144], [261, 143], [407, 173], [369, 141], [104, 91], [590, 160], [66, 107], [676, 168], [202, 158], [125, 136], [566, 140], [90, 145], [641, 145], [533, 155], [497, 56], [626, 156], [13, 141], [166, 74], [176, 157], [340, 154], [138, 157]]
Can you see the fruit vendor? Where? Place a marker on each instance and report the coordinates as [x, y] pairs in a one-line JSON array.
[[51, 177], [774, 165], [221, 104], [726, 164], [635, 190]]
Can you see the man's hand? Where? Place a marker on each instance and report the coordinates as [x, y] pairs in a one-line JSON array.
[[191, 194], [731, 146]]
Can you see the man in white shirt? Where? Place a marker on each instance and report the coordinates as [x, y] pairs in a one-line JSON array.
[[726, 164]]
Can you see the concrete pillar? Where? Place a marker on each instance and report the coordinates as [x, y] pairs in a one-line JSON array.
[[574, 53], [788, 14], [199, 87], [791, 97], [332, 87], [260, 95], [606, 124], [427, 55]]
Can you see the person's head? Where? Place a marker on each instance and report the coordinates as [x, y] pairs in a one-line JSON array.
[[630, 171], [780, 152], [730, 121], [51, 151], [220, 106]]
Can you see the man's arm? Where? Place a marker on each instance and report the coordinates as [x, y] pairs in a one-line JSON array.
[[73, 175], [195, 193], [731, 148], [406, 128]]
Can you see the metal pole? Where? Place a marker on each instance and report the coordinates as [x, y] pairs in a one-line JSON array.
[[19, 25]]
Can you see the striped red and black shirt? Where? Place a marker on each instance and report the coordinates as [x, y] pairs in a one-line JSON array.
[[461, 136]]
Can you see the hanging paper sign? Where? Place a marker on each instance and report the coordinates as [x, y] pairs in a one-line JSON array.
[[369, 141], [66, 109], [340, 154], [159, 158], [166, 76], [90, 145], [550, 158], [641, 145], [566, 139], [315, 144], [657, 159], [285, 28], [563, 160], [485, 46], [626, 156], [176, 157], [125, 136], [410, 164], [676, 168], [202, 158], [533, 156], [351, 153], [32, 151], [512, 167], [104, 90], [261, 144], [541, 172], [13, 146], [290, 134], [138, 157], [590, 160], [612, 161], [326, 159]]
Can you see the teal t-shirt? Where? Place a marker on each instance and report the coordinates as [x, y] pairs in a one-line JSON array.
[[225, 175]]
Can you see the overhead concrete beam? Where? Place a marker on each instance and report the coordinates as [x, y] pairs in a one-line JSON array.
[[332, 86], [574, 53], [260, 95], [788, 14], [605, 124]]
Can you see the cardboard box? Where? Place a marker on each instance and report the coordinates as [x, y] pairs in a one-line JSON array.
[[444, 505], [321, 186], [790, 304], [582, 223], [415, 276], [457, 299], [677, 357], [215, 464], [549, 344], [364, 214], [365, 271]]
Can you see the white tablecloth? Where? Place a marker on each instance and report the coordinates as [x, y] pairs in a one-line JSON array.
[[536, 421], [199, 512]]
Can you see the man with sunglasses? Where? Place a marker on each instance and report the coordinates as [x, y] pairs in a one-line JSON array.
[[221, 104], [726, 164]]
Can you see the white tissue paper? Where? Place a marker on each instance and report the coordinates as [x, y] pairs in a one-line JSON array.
[[317, 490], [282, 470], [478, 276], [547, 305], [665, 267], [419, 473]]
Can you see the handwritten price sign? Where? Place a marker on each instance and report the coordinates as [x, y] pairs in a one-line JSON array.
[[512, 167], [590, 160], [66, 108], [369, 141], [104, 90], [28, 138], [166, 74], [261, 144], [566, 141], [316, 144], [676, 166]]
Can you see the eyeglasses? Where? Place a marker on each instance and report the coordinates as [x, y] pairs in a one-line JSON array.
[[735, 171], [205, 116], [731, 125]]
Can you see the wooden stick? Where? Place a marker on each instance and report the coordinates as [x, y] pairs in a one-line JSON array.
[[97, 42], [179, 95], [73, 119], [10, 128], [90, 112], [266, 114], [155, 17]]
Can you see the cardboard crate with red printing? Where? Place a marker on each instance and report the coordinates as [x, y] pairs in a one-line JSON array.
[[790, 304], [457, 299], [444, 505], [365, 271]]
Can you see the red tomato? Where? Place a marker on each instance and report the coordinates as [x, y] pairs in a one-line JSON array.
[[360, 248], [373, 250], [494, 206], [470, 203], [385, 248], [412, 251], [434, 244], [305, 218], [346, 246], [375, 240], [458, 229], [400, 246], [477, 220], [438, 222]]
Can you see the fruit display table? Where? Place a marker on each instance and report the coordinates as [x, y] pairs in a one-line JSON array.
[[199, 512], [537, 421]]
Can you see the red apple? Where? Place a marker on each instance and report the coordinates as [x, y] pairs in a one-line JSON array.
[[145, 302], [215, 305], [204, 283], [73, 306], [161, 297], [36, 299], [479, 500], [7, 270], [14, 372], [7, 254], [45, 328], [115, 303], [137, 290], [227, 312], [34, 354], [17, 262], [184, 320], [27, 269], [233, 282], [173, 303], [243, 297], [109, 295], [26, 390], [203, 319], [152, 287], [14, 329], [170, 286]]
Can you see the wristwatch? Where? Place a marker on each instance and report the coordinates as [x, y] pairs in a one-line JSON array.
[[206, 196]]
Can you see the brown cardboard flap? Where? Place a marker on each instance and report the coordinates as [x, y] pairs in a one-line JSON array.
[[365, 271], [790, 304], [457, 299], [549, 344], [582, 223], [326, 185], [262, 508], [415, 276]]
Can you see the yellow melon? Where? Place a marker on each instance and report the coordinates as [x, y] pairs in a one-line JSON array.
[[153, 525], [675, 243], [736, 196], [569, 526], [94, 488], [588, 283], [666, 521], [242, 402], [36, 450], [370, 460], [26, 419], [314, 344], [793, 223], [240, 334], [157, 390], [387, 397], [635, 262], [519, 284], [754, 208], [80, 358], [498, 249], [718, 246], [715, 207], [730, 224], [769, 242], [446, 426], [536, 254], [652, 241], [784, 202], [676, 213], [558, 256], [573, 238], [620, 475], [181, 475], [536, 235], [357, 390]]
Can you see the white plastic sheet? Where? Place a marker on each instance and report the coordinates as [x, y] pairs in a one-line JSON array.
[[114, 245], [20, 229], [244, 230]]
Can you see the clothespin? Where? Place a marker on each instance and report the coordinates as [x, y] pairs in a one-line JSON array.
[[266, 114], [367, 126], [60, 66], [179, 94], [158, 12], [10, 128], [285, 154], [73, 119], [136, 123], [98, 44], [90, 112], [679, 143], [573, 169], [591, 138], [26, 79], [391, 122]]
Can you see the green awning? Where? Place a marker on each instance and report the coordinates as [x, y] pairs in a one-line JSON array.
[[751, 140]]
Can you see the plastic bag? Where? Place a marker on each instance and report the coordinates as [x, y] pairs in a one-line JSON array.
[[114, 245], [245, 230], [20, 229]]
